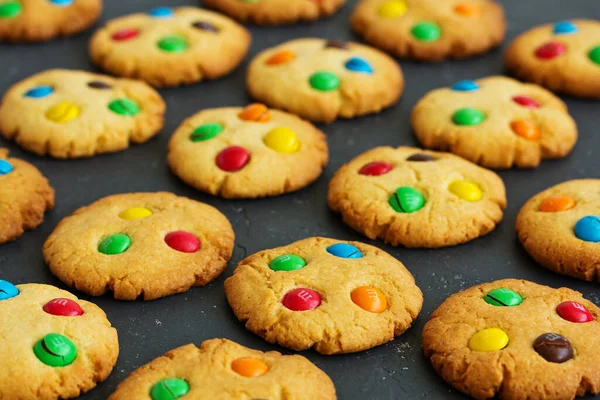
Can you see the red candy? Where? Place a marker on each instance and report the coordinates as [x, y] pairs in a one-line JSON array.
[[301, 299], [125, 34], [63, 307], [376, 168], [526, 102], [550, 50], [574, 312], [183, 241], [233, 158]]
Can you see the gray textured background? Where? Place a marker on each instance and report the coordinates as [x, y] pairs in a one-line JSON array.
[[148, 329]]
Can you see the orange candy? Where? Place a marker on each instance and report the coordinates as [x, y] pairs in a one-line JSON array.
[[369, 299], [255, 112], [557, 203], [281, 57], [249, 367], [467, 10], [526, 129]]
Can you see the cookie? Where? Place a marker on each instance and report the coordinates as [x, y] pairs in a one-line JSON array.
[[223, 370], [322, 80], [564, 57], [247, 152], [276, 12], [415, 198], [333, 296], [170, 46], [25, 195], [54, 346], [514, 339], [560, 228], [73, 114], [496, 122], [41, 20], [140, 245], [431, 30]]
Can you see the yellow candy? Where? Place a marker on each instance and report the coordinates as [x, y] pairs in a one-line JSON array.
[[135, 213], [282, 140], [63, 112], [490, 339], [392, 9], [466, 190]]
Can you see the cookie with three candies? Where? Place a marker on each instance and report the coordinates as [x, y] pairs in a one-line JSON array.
[[515, 339], [170, 46], [54, 346], [73, 114], [333, 296], [564, 57], [276, 12], [496, 122], [322, 80], [247, 152], [140, 245], [415, 198], [223, 370], [41, 20], [25, 195], [560, 228], [431, 30]]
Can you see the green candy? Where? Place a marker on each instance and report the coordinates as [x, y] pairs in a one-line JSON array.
[[287, 262], [406, 200], [205, 132], [503, 297], [169, 389], [324, 81], [114, 244], [55, 350], [173, 44], [594, 55], [468, 117], [124, 107], [426, 31], [10, 9]]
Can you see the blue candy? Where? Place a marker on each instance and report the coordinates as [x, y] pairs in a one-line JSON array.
[[344, 250], [588, 229], [357, 64], [161, 12], [7, 290], [565, 28], [62, 3], [39, 91], [465, 86], [5, 167]]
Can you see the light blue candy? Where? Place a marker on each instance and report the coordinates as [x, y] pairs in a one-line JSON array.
[[7, 290], [62, 3], [39, 91], [5, 167], [465, 86], [344, 250], [565, 28], [161, 12], [357, 64], [588, 229]]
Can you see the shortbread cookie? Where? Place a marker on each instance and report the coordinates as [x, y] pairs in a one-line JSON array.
[[25, 195], [223, 370], [247, 152], [431, 30], [41, 20], [322, 80], [514, 339], [560, 228], [333, 296], [415, 198], [496, 122], [54, 346], [564, 57], [72, 114], [146, 245], [170, 47]]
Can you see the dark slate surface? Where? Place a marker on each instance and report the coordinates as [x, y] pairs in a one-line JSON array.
[[148, 329]]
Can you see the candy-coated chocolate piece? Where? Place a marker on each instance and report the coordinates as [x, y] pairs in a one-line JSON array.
[[392, 9], [281, 57], [376, 168], [205, 26], [467, 10], [182, 241], [574, 312], [466, 190], [301, 299], [324, 81], [173, 44], [7, 290], [465, 86], [249, 367], [63, 307], [426, 31], [287, 262], [39, 92], [406, 200], [594, 55], [133, 213], [206, 131], [62, 3], [526, 129], [421, 157], [282, 140], [233, 158], [369, 299], [526, 101], [161, 12], [5, 167], [564, 28], [169, 389], [125, 34], [489, 339], [63, 112], [550, 50], [503, 297], [336, 44], [124, 107], [557, 203], [10, 9], [55, 350], [255, 112], [588, 229], [360, 65], [115, 244], [553, 347], [468, 117], [344, 250], [99, 85]]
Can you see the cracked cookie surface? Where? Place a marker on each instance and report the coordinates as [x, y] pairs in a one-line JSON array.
[[514, 339], [145, 245], [333, 296], [54, 346], [73, 114], [223, 370], [170, 46], [415, 198], [322, 80]]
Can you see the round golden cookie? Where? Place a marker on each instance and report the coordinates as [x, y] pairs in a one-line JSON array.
[[333, 296], [223, 370], [247, 152], [170, 46], [140, 245], [564, 57], [496, 122], [276, 12], [54, 346], [41, 20], [415, 198], [322, 80], [431, 30], [514, 339], [25, 195], [560, 228], [73, 114]]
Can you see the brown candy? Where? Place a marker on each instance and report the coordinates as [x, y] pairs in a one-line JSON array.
[[553, 347], [99, 85], [421, 157], [336, 43]]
